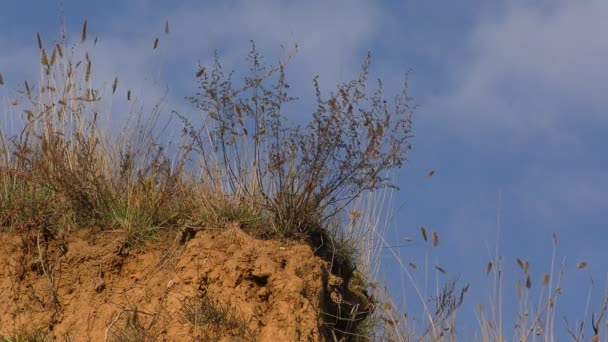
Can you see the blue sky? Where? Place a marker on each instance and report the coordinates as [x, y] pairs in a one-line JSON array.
[[512, 106]]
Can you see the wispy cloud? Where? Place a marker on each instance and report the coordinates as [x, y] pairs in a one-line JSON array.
[[562, 197], [332, 39], [332, 36], [531, 70]]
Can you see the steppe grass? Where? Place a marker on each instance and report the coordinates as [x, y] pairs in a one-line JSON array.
[[240, 158]]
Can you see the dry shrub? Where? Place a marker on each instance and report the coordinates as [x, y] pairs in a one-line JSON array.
[[303, 176]]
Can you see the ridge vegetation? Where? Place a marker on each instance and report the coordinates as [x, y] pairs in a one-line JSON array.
[[240, 159]]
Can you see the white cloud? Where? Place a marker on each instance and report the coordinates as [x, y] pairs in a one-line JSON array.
[[530, 70], [558, 197], [330, 36]]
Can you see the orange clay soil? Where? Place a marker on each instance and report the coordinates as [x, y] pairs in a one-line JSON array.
[[221, 285]]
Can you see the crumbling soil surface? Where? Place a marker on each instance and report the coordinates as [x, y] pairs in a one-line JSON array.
[[220, 285]]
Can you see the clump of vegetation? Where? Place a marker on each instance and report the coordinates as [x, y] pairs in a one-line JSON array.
[[301, 176], [241, 160]]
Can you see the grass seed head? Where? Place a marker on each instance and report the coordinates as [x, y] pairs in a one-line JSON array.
[[554, 236], [59, 50], [523, 265], [43, 58], [200, 72], [53, 56], [87, 74], [546, 278], [39, 39], [83, 33]]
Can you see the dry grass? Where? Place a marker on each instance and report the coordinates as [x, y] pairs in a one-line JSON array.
[[25, 335], [211, 317], [536, 319], [132, 325], [240, 160]]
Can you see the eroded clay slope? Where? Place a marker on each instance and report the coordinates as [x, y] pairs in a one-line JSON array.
[[220, 285]]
